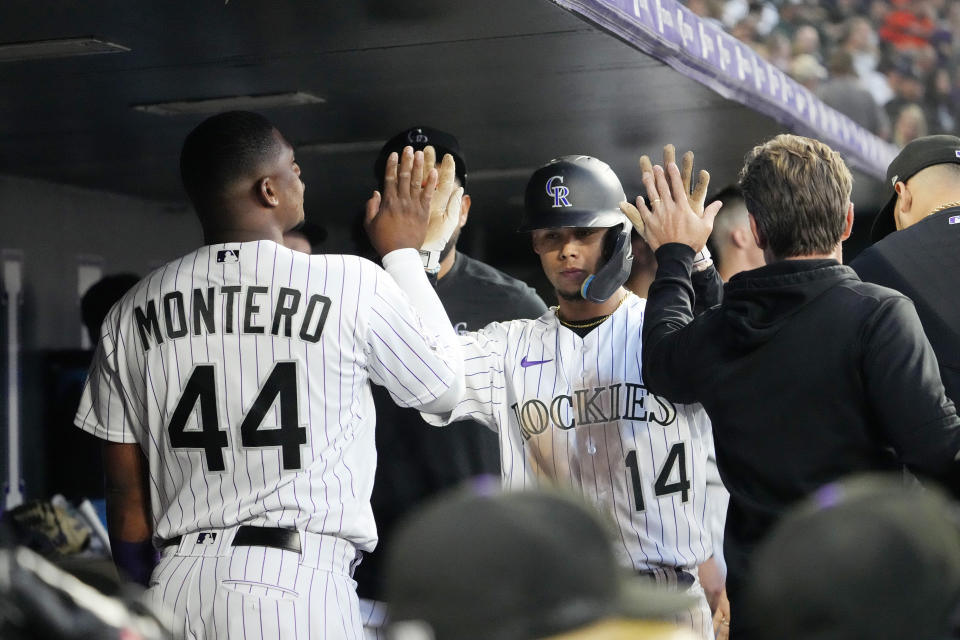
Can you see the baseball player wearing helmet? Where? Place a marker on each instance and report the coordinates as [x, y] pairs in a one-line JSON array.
[[565, 392], [232, 389]]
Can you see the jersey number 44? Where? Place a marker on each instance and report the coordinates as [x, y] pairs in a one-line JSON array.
[[212, 440]]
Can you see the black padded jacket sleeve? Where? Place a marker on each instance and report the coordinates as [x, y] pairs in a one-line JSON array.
[[670, 303], [707, 288], [903, 381]]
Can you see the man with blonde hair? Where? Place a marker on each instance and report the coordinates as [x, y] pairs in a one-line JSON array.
[[807, 373]]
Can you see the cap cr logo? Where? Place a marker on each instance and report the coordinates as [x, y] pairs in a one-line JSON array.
[[559, 192], [417, 136]]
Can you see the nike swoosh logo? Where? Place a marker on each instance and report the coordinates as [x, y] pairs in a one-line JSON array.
[[532, 363]]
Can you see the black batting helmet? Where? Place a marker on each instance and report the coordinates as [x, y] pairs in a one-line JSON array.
[[581, 191]]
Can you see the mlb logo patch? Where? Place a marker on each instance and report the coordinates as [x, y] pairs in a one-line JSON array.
[[207, 538], [228, 255], [957, 153], [953, 220]]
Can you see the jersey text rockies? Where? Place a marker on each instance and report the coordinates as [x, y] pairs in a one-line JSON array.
[[626, 401]]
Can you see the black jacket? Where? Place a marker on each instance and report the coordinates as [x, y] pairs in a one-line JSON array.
[[807, 374], [923, 263]]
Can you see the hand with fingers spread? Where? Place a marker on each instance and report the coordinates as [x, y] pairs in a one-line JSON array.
[[670, 216], [444, 208], [696, 195], [398, 218]]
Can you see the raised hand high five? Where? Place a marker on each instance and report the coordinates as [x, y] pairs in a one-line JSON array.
[[670, 216], [399, 218]]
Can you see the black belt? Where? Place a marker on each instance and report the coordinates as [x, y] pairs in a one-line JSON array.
[[685, 579], [247, 536]]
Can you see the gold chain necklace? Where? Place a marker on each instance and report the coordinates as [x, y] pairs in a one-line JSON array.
[[944, 206], [592, 323]]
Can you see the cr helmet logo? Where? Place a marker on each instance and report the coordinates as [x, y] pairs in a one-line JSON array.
[[417, 136], [558, 192]]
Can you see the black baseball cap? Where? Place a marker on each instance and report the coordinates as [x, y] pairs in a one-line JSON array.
[[418, 138], [866, 557], [511, 566], [917, 155]]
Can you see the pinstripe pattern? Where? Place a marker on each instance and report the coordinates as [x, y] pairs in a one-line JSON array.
[[573, 420], [218, 591], [342, 322]]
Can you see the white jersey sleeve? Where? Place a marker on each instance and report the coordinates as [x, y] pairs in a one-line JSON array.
[[406, 355], [483, 398], [108, 407]]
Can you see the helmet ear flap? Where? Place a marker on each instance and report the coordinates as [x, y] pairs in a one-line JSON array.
[[616, 267], [610, 241]]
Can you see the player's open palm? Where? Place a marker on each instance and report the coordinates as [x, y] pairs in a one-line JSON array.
[[398, 218], [446, 202], [670, 216]]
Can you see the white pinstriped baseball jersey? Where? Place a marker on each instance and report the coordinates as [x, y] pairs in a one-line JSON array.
[[242, 371], [573, 411]]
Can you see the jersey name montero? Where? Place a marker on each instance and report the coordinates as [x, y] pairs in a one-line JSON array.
[[246, 309]]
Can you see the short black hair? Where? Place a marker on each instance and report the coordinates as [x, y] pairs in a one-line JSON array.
[[100, 297], [221, 149], [729, 193]]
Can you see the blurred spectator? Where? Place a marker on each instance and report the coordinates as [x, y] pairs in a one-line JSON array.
[[910, 125], [779, 50], [909, 26], [866, 557], [763, 15], [711, 10], [904, 52], [806, 70], [844, 92], [806, 41], [908, 89], [746, 31], [860, 41], [941, 105], [924, 60], [518, 566], [878, 11]]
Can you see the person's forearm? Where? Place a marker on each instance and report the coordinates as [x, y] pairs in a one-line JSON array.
[[708, 289], [130, 540], [406, 269], [669, 309]]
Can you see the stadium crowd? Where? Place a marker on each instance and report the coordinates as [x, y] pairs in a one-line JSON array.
[[893, 66]]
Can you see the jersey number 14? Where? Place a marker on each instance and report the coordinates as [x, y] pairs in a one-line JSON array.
[[202, 388], [662, 486]]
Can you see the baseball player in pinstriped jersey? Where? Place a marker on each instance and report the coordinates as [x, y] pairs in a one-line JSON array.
[[566, 395], [231, 386]]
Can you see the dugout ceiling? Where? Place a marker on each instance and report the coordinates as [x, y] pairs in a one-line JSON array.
[[519, 81]]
